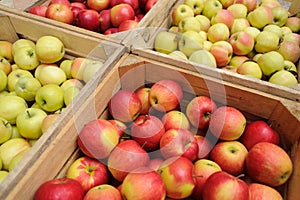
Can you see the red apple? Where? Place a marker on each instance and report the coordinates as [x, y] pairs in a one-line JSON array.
[[177, 175], [88, 19], [120, 126], [97, 5], [133, 3], [204, 146], [66, 2], [143, 94], [199, 111], [222, 52], [111, 31], [127, 25], [38, 10], [78, 4], [104, 20], [175, 119], [88, 172], [165, 95], [60, 12], [125, 106], [155, 163], [203, 168], [75, 11], [221, 185], [227, 123], [147, 130], [60, 188], [103, 191], [263, 192], [142, 4], [179, 142], [126, 156], [120, 13], [150, 4], [230, 156], [269, 164], [98, 138], [259, 131], [242, 43], [143, 183]]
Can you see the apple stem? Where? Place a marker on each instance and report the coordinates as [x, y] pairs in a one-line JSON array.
[[240, 176], [146, 118], [144, 144], [28, 113], [271, 124]]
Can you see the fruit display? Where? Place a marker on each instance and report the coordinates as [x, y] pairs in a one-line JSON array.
[[156, 144], [37, 84], [257, 39], [105, 16]]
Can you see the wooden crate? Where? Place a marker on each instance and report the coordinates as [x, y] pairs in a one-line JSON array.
[[14, 27], [145, 45], [134, 71]]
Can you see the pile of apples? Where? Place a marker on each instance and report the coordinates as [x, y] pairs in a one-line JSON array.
[[256, 39], [154, 147], [105, 16], [36, 84]]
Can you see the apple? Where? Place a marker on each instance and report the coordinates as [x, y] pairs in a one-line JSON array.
[[48, 121], [250, 4], [263, 192], [5, 65], [223, 185], [11, 148], [120, 126], [238, 10], [251, 69], [150, 4], [84, 68], [134, 185], [14, 76], [125, 157], [120, 13], [177, 175], [49, 49], [270, 62], [218, 32], [39, 10], [180, 12], [11, 106], [239, 24], [293, 23], [211, 7], [111, 30], [78, 4], [196, 5], [165, 95], [289, 50], [26, 87], [222, 51], [66, 2], [223, 16], [178, 54], [189, 23], [65, 65], [252, 31], [230, 156], [143, 95], [165, 42], [236, 61], [125, 106], [26, 58], [203, 168], [97, 5], [70, 94], [88, 19], [227, 123], [291, 37], [88, 172], [72, 82], [3, 80], [104, 20], [5, 131], [284, 78], [203, 57], [50, 74], [268, 164], [6, 50], [103, 191], [190, 41], [127, 25], [260, 17], [17, 158], [155, 163], [60, 12], [289, 66], [280, 15], [133, 3], [204, 22], [242, 43], [50, 97], [259, 131], [175, 119], [266, 41], [179, 142], [18, 44], [60, 188], [98, 138]]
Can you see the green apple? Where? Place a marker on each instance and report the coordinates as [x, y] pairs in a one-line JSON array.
[[266, 41], [211, 7], [50, 74], [11, 106], [236, 60], [251, 69], [3, 80], [238, 10], [17, 158], [260, 17], [289, 66], [49, 49], [13, 77], [239, 24], [15, 132], [5, 130], [274, 28], [11, 148], [165, 42], [6, 50], [29, 123], [252, 31], [3, 175], [270, 62], [204, 22], [26, 58], [180, 12], [70, 94], [178, 54], [50, 97], [70, 83], [196, 5], [280, 15], [203, 57], [20, 43], [5, 65], [65, 65], [26, 87], [189, 23], [4, 93], [91, 69], [286, 30], [189, 42], [207, 45], [283, 77]]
